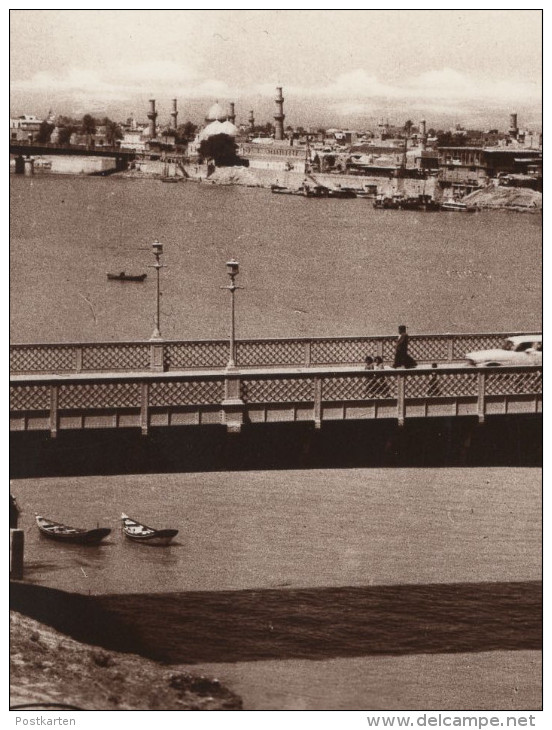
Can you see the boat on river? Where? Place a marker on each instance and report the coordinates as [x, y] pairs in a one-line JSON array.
[[406, 202], [458, 206], [283, 190], [138, 532], [64, 533], [122, 276], [344, 192]]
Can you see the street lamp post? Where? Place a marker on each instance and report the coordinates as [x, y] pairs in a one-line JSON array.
[[157, 251], [232, 269]]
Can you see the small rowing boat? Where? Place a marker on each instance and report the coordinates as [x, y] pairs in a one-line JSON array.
[[64, 533], [457, 206], [126, 277], [142, 533]]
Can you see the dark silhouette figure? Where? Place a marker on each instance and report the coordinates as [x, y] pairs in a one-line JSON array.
[[402, 358], [369, 362]]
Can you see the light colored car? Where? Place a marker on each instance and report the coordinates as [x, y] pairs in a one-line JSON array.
[[516, 350]]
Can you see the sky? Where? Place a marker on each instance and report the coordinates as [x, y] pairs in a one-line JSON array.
[[345, 68]]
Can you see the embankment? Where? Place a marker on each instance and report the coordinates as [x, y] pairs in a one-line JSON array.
[[48, 667]]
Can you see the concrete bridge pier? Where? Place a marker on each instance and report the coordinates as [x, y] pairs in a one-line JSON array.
[[121, 163], [29, 166], [233, 405]]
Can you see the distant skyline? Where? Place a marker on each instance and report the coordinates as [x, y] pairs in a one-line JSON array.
[[337, 68]]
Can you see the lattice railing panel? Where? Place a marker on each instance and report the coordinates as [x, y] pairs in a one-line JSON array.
[[42, 358], [196, 355], [371, 386], [99, 395], [29, 398], [470, 343], [434, 348], [186, 393], [336, 352], [273, 352], [513, 383], [435, 384], [288, 390], [116, 357]]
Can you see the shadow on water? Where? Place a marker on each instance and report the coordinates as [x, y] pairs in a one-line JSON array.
[[429, 442], [313, 623]]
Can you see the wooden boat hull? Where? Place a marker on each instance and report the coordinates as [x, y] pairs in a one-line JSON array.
[[452, 209], [126, 277], [140, 533], [160, 538], [75, 535]]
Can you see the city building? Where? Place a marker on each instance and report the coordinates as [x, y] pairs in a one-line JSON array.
[[468, 168], [24, 128]]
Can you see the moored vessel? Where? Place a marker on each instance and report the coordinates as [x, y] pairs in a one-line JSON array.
[[138, 532], [64, 533]]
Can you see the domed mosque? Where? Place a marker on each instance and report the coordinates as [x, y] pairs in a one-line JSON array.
[[219, 121]]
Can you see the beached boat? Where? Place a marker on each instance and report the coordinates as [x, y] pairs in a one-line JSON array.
[[122, 276], [64, 533], [142, 533], [458, 206]]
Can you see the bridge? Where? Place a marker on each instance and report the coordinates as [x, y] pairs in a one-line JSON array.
[[24, 149], [154, 384]]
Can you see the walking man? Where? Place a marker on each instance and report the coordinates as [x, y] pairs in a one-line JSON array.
[[402, 358]]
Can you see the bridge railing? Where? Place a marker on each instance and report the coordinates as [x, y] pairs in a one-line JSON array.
[[232, 395], [54, 146], [179, 355]]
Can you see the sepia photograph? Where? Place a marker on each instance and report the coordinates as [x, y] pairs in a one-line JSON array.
[[275, 430]]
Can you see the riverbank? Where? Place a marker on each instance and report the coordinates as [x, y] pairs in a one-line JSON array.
[[506, 198], [49, 667], [491, 197]]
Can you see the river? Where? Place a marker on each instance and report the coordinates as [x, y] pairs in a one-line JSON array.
[[312, 589], [308, 267]]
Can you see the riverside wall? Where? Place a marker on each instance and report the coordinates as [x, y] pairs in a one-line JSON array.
[[258, 177]]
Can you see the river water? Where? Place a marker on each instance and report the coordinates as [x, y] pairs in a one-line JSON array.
[[313, 589], [309, 267]]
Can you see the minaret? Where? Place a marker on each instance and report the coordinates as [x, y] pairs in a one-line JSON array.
[[279, 116], [423, 133], [232, 115], [513, 131], [174, 114], [251, 121], [152, 116]]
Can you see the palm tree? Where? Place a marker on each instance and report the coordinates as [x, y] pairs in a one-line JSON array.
[[88, 127], [112, 131]]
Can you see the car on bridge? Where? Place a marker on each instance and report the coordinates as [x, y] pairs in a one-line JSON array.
[[515, 350]]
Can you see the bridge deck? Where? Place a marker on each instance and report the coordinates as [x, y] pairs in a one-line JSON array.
[[260, 395]]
